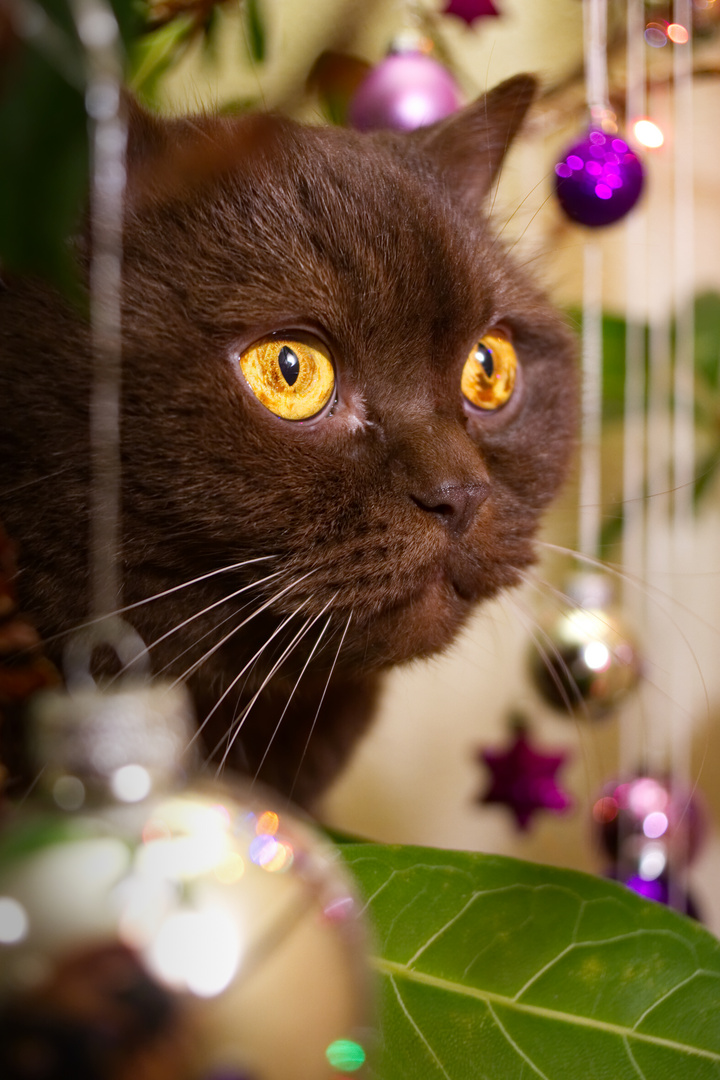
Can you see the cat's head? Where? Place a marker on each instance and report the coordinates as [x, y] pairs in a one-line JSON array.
[[391, 467], [331, 365]]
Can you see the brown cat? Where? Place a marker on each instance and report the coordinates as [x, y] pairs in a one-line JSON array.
[[330, 366]]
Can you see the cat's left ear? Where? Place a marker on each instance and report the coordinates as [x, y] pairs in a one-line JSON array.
[[468, 148]]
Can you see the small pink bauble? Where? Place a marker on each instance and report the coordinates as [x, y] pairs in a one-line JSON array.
[[405, 91], [645, 810]]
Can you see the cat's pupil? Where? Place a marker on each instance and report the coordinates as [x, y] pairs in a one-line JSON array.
[[484, 357], [289, 365]]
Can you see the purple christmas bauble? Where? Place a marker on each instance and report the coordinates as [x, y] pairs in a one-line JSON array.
[[644, 822], [660, 890], [405, 91], [598, 179]]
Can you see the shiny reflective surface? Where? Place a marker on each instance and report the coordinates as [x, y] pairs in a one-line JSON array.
[[598, 179], [584, 661], [404, 92], [652, 831], [233, 917]]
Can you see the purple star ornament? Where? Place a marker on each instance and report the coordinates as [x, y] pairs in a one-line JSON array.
[[523, 779], [470, 10]]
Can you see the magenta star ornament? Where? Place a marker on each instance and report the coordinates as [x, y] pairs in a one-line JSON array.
[[470, 10], [523, 779]]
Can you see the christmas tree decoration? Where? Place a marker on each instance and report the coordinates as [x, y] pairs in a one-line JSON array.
[[471, 10], [652, 831], [584, 660], [524, 778], [405, 91], [598, 179], [335, 77], [159, 927], [632, 813]]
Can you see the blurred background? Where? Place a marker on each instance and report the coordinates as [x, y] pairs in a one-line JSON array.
[[644, 295]]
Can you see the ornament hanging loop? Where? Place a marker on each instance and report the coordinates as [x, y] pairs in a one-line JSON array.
[[596, 75], [115, 635]]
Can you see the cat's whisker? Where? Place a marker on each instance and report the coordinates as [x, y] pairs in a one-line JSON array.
[[156, 596], [549, 652], [204, 611], [320, 705], [36, 480], [653, 594], [237, 726], [297, 683], [195, 641], [529, 222], [498, 234], [247, 667], [263, 607]]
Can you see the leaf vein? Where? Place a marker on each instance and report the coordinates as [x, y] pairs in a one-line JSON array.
[[417, 1030], [672, 990], [446, 926], [521, 1053], [633, 1062], [394, 970]]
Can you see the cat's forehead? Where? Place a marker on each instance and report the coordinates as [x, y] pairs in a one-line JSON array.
[[344, 229]]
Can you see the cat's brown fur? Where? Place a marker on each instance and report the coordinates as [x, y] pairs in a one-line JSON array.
[[394, 515]]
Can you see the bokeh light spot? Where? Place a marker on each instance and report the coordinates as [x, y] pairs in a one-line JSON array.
[[648, 134], [345, 1055], [678, 33], [267, 823], [14, 921]]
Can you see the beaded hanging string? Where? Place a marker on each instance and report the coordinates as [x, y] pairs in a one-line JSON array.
[[659, 457], [634, 434], [683, 442], [595, 49], [590, 495], [98, 32]]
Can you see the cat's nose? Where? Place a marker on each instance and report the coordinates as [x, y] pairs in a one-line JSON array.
[[454, 504]]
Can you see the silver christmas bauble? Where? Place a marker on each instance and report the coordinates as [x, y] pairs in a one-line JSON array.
[[156, 928], [584, 660]]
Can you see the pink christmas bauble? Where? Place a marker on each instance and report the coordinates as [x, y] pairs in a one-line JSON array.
[[405, 91], [636, 818]]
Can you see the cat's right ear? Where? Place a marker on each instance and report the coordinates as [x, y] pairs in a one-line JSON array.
[[176, 156], [468, 148], [149, 136], [145, 134]]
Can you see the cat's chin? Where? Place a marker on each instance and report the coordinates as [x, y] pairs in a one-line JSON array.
[[424, 624]]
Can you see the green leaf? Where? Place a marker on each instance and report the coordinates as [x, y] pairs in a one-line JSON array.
[[256, 35], [157, 51], [707, 337], [43, 178], [496, 969]]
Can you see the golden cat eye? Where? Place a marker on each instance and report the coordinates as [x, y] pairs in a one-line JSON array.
[[293, 379], [488, 378]]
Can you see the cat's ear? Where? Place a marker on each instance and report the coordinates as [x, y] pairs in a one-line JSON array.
[[148, 135], [468, 148], [177, 156]]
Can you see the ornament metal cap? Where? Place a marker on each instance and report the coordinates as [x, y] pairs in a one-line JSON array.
[[91, 731]]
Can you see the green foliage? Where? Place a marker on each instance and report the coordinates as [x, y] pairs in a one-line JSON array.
[[43, 134], [156, 52], [706, 317], [494, 968], [43, 125], [44, 141], [256, 34]]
